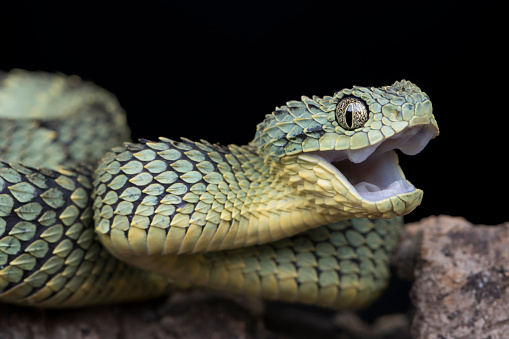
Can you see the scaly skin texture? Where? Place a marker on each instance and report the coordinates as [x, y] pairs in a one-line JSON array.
[[268, 219], [49, 254]]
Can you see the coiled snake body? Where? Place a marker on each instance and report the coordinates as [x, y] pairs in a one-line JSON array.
[[308, 212]]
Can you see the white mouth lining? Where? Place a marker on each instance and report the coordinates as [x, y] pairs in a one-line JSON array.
[[372, 173]]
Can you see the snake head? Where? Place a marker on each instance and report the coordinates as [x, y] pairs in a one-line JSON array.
[[341, 148]]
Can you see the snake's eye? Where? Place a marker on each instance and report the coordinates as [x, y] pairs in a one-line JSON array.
[[351, 113]]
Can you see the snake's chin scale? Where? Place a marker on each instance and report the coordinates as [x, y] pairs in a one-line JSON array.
[[373, 173]]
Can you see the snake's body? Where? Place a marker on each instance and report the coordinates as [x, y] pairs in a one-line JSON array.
[[274, 218]]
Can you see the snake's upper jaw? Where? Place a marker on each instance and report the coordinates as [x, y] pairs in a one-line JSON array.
[[372, 173], [410, 141]]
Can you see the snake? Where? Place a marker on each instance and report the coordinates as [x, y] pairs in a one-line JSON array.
[[307, 212]]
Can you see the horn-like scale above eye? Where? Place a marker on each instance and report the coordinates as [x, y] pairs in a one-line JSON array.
[[351, 113]]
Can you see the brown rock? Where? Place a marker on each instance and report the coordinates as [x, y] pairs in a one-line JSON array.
[[183, 315], [461, 276], [191, 315]]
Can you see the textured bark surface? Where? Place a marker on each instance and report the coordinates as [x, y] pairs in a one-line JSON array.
[[461, 274]]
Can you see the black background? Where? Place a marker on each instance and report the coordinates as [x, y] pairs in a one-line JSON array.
[[209, 70]]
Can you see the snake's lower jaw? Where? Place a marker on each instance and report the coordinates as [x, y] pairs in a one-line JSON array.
[[369, 182]]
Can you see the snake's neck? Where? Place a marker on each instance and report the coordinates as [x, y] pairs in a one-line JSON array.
[[290, 195]]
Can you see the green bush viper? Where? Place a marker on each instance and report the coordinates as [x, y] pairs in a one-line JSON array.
[[308, 212]]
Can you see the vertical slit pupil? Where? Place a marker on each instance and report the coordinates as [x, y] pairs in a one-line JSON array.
[[349, 116]]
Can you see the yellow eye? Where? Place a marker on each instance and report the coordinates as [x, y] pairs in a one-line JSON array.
[[351, 113]]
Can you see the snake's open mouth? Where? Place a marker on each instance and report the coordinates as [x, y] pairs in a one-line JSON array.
[[373, 172]]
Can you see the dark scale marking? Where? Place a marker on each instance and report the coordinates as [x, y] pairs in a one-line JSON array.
[[12, 220], [221, 150]]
